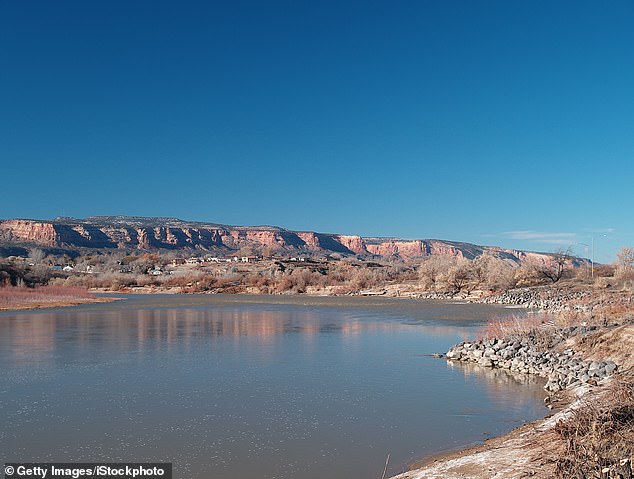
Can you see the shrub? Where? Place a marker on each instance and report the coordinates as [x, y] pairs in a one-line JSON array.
[[624, 264], [598, 438], [431, 270], [13, 297], [540, 328]]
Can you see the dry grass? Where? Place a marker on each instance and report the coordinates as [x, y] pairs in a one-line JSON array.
[[598, 439], [542, 329], [546, 329], [15, 297]]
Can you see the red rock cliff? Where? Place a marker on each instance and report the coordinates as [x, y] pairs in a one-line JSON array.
[[161, 233]]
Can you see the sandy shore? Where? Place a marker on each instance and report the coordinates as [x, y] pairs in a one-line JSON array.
[[514, 455]]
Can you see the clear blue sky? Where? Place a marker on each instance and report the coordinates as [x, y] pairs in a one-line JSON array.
[[493, 122]]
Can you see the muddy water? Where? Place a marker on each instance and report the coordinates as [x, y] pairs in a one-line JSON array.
[[250, 387]]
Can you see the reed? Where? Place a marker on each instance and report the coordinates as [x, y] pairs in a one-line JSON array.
[[15, 297]]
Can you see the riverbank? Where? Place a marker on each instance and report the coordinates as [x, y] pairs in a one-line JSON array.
[[514, 455], [580, 342], [595, 331], [16, 298], [338, 376], [590, 370]]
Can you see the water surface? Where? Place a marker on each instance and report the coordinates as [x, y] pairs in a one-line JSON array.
[[250, 387]]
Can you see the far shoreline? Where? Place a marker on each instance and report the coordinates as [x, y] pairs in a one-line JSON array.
[[149, 291], [59, 304]]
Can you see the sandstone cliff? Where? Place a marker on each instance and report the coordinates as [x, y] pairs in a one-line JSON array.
[[173, 234]]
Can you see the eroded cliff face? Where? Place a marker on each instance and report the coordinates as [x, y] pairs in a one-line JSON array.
[[51, 234], [446, 249], [172, 234], [310, 239], [29, 231], [400, 248], [533, 258], [353, 243]]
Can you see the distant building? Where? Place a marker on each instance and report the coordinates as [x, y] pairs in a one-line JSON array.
[[250, 259]]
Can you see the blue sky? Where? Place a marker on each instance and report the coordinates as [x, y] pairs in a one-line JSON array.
[[493, 122]]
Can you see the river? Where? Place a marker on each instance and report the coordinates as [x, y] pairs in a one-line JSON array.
[[251, 386]]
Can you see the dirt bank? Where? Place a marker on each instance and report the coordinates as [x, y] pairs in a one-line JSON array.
[[558, 445]]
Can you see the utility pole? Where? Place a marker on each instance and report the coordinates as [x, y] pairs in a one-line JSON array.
[[588, 260], [593, 259], [605, 236]]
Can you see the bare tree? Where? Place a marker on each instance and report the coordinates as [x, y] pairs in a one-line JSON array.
[[37, 255], [432, 268], [500, 274], [625, 264], [556, 266], [458, 277], [479, 268]]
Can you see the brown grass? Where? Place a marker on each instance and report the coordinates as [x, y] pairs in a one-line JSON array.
[[542, 329], [12, 297], [598, 439]]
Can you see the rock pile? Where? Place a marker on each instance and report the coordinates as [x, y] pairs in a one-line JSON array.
[[562, 369], [539, 298]]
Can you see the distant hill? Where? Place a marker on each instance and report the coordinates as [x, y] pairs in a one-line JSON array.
[[155, 234]]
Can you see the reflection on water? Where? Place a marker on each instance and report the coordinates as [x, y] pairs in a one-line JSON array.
[[250, 386], [37, 338], [499, 381], [32, 337]]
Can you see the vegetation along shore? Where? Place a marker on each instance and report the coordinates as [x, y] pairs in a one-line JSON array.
[[580, 342], [14, 297]]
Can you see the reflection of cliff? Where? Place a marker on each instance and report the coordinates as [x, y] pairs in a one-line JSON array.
[[171, 233], [30, 339], [37, 338]]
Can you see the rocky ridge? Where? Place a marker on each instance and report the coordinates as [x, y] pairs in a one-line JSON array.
[[112, 232]]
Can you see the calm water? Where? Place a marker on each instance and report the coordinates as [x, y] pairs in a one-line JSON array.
[[250, 387]]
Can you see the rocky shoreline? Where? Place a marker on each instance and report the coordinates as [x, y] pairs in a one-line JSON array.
[[551, 356], [563, 369], [581, 364], [544, 298]]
